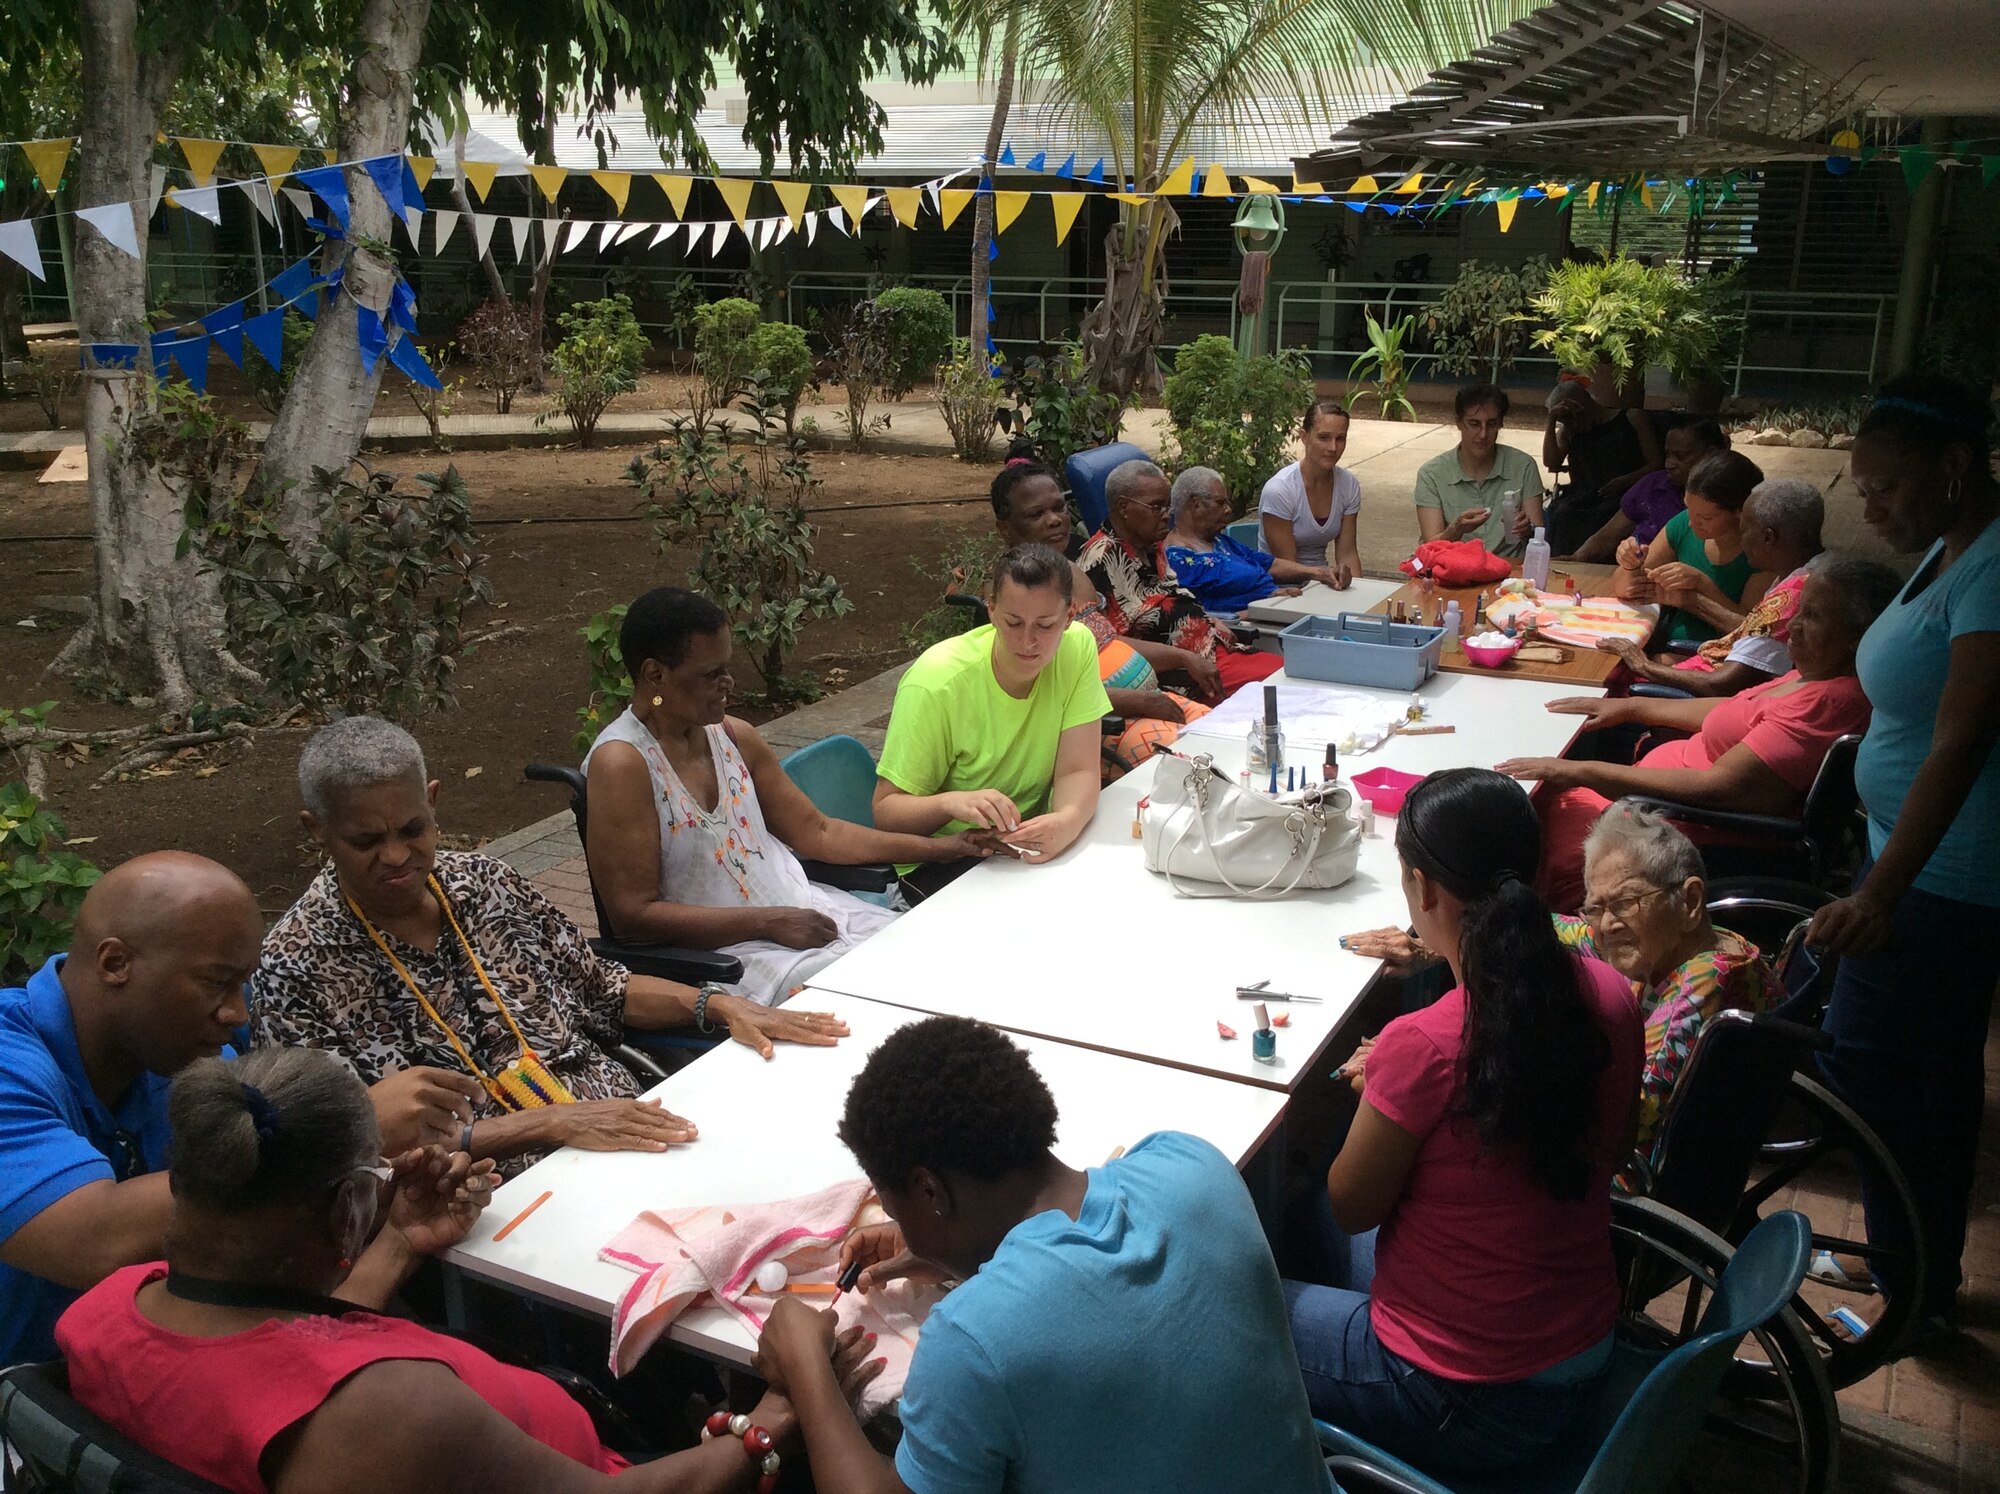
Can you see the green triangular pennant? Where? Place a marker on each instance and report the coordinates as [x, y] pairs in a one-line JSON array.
[[1991, 172], [1917, 163]]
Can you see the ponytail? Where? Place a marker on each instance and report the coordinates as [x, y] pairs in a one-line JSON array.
[[1532, 1052]]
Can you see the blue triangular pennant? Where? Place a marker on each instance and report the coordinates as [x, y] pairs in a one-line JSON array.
[[290, 281], [407, 356], [991, 315], [413, 191], [403, 307], [307, 305], [986, 184], [223, 318], [992, 250], [230, 340], [1006, 155], [190, 355], [111, 354], [1039, 161], [267, 335], [329, 184], [387, 173], [1068, 167], [1096, 173], [369, 333]]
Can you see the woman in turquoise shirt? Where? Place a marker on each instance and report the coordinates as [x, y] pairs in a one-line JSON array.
[[1696, 563], [1910, 1005]]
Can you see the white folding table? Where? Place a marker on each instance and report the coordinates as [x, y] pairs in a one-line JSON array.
[[1318, 600], [768, 1132], [1093, 949]]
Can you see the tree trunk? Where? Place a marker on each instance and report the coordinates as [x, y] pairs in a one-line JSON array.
[[324, 417], [156, 624], [538, 290], [980, 327], [495, 285], [1121, 335]]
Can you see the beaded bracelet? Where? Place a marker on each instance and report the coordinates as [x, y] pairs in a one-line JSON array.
[[708, 989], [757, 1443]]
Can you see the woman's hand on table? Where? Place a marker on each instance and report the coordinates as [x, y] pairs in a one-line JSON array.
[[799, 928], [618, 1126], [1399, 950], [985, 808], [1630, 654], [439, 1197], [1550, 772], [1598, 712], [1858, 925], [973, 843], [884, 1258], [796, 1340], [1630, 585], [1036, 840], [1160, 706], [759, 1027]]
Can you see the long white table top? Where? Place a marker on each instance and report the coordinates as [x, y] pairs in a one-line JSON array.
[[767, 1132], [1091, 948]]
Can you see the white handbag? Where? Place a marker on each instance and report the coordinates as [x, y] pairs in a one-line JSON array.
[[1198, 826]]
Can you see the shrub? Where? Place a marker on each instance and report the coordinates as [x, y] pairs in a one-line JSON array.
[[504, 346], [1057, 408], [1479, 326], [968, 396], [722, 333], [610, 685], [270, 384], [920, 333], [861, 356], [961, 567], [745, 519], [41, 885], [778, 350], [1234, 414], [601, 356], [367, 613]]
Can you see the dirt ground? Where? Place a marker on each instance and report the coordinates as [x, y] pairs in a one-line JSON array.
[[561, 544]]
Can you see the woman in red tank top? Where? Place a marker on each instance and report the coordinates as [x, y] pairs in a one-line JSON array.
[[256, 1356]]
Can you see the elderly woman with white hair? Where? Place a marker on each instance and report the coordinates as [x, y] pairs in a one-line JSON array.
[[1780, 530], [1143, 598], [401, 956], [1225, 575], [1754, 753]]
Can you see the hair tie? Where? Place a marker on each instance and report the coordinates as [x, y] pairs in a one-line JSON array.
[[263, 1114], [1507, 878], [1931, 412], [1020, 461]]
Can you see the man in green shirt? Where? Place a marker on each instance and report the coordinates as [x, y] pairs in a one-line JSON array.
[[997, 729], [1462, 494]]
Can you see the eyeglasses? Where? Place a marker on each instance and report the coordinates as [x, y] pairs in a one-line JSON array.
[[126, 1155], [382, 1172], [1621, 908]]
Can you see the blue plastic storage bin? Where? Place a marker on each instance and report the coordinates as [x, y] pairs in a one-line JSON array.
[[1361, 648]]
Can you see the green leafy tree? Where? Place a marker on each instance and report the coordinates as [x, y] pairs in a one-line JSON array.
[[722, 332], [601, 355], [921, 334], [1480, 324], [1234, 414], [1058, 407], [779, 352], [41, 884]]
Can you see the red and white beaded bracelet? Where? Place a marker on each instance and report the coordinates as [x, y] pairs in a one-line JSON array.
[[758, 1444]]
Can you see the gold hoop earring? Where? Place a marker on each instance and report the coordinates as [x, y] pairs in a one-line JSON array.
[[1951, 494]]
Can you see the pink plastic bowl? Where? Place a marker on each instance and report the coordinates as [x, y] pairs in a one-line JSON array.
[[1385, 788], [1491, 658]]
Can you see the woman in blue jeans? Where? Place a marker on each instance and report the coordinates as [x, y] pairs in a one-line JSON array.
[[1910, 1005], [1462, 1307]]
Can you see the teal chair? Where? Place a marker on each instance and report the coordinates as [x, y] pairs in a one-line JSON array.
[[838, 775], [1248, 533], [1650, 1408]]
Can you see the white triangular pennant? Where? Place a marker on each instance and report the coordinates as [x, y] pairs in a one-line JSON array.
[[258, 190], [482, 233], [158, 185], [629, 230], [661, 233], [200, 201], [300, 199], [445, 223], [766, 227], [413, 220], [17, 242], [579, 230], [609, 235], [523, 238], [812, 226], [114, 221], [784, 230], [549, 227], [720, 236]]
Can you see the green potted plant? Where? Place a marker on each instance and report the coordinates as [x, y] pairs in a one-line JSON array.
[[1702, 336], [1608, 318]]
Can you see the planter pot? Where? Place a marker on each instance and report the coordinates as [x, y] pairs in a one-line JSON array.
[[1704, 396]]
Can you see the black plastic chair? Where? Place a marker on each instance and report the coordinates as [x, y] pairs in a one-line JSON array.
[[1817, 844], [63, 1447]]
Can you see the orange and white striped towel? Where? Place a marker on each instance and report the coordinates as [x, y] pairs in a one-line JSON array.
[[684, 1255], [1582, 621]]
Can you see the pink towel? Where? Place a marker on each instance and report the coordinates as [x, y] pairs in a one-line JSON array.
[[715, 1252]]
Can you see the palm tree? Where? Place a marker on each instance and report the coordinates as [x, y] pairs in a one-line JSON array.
[[1147, 74], [982, 207]]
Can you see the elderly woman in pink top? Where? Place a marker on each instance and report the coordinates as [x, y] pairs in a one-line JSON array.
[[1463, 1305]]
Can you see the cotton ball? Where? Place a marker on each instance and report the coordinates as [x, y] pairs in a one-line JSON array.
[[772, 1276]]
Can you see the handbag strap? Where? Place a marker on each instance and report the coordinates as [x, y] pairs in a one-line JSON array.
[[1303, 857]]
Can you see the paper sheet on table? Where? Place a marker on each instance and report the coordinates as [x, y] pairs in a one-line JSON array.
[[1309, 715]]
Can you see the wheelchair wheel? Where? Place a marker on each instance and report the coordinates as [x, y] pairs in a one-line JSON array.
[[1812, 1163], [1775, 1422]]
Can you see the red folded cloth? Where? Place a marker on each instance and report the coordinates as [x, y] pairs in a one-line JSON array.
[[1457, 562]]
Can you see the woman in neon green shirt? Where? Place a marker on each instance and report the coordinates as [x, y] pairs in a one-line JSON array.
[[997, 729]]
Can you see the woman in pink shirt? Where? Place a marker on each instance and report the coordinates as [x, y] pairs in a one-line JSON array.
[[1753, 753], [1467, 1300]]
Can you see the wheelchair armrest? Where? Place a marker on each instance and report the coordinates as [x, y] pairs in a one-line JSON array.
[[670, 962], [1242, 632], [1111, 726], [1661, 692], [871, 878], [1354, 1476], [1686, 647], [640, 1063], [1770, 826]]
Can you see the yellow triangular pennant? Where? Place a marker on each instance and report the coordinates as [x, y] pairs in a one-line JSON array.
[[1215, 181], [48, 157], [1066, 205], [905, 202], [1412, 184], [952, 201], [1557, 189], [479, 175], [854, 199], [1006, 208], [201, 157], [735, 192], [1257, 184], [1137, 199], [793, 195], [549, 178], [1364, 186], [1179, 182], [676, 188], [423, 168], [1590, 196], [1306, 189], [1505, 208], [617, 186], [277, 160], [1646, 195]]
